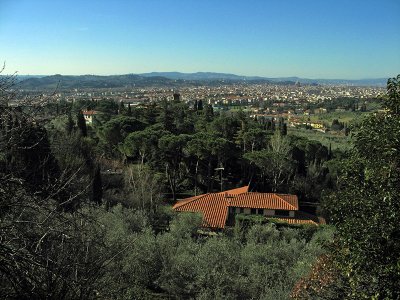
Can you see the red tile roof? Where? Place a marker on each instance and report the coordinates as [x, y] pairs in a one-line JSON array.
[[237, 191], [89, 112], [214, 206], [266, 201]]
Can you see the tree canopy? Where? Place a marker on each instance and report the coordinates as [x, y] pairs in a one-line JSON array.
[[365, 209]]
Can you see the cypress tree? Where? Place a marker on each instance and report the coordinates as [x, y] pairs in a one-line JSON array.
[[280, 124], [209, 112], [330, 152], [70, 124], [151, 114], [283, 129], [129, 110], [97, 187], [364, 107], [195, 105], [121, 108], [167, 117], [81, 123], [200, 105], [268, 125]]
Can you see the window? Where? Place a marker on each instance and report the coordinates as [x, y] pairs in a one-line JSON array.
[[282, 213], [253, 211], [241, 210], [260, 211]]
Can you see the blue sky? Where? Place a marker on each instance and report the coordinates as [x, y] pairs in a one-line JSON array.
[[273, 38]]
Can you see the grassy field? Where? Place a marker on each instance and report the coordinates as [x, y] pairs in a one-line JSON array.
[[340, 142], [347, 117]]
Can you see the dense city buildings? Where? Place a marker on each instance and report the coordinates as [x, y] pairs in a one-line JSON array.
[[250, 96], [296, 104]]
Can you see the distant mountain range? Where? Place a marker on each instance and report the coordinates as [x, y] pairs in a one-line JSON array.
[[171, 79], [92, 81], [200, 76], [226, 76]]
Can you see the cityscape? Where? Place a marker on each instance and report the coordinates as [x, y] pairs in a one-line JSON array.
[[294, 102]]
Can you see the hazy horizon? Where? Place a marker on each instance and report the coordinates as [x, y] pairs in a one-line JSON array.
[[317, 39], [226, 73]]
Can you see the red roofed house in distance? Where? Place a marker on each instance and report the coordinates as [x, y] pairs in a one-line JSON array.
[[89, 116]]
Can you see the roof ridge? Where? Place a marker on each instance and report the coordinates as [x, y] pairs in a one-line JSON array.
[[279, 197], [194, 198], [236, 191]]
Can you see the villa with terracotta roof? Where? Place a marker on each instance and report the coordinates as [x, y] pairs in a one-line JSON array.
[[89, 116], [219, 209]]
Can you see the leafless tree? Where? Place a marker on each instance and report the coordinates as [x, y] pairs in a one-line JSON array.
[[280, 162], [143, 188], [49, 248]]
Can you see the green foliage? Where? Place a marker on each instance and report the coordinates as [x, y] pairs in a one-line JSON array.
[[262, 234], [125, 232], [338, 142], [252, 219], [72, 151], [53, 247], [121, 223], [274, 163], [97, 187], [391, 103], [166, 117], [200, 105], [226, 126], [114, 131], [142, 144], [172, 154], [143, 263], [142, 190], [185, 225], [216, 263], [365, 208], [209, 113], [188, 155], [265, 267], [25, 150], [107, 106], [178, 276], [134, 246], [121, 108], [81, 123], [70, 124]]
